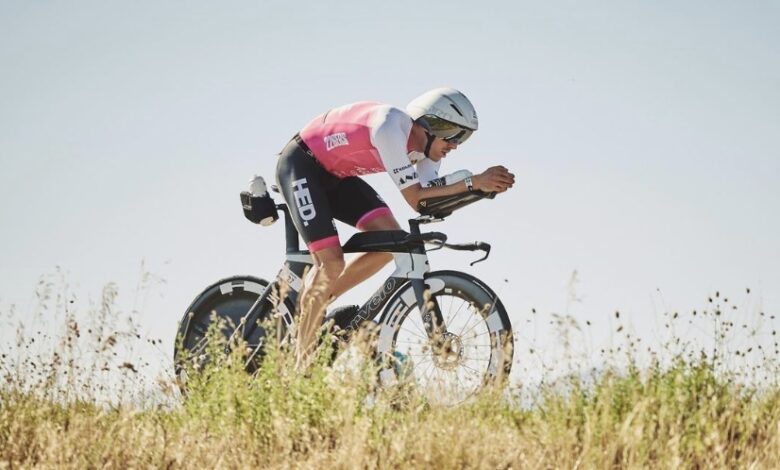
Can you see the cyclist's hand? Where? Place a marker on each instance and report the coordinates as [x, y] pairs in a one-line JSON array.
[[494, 179]]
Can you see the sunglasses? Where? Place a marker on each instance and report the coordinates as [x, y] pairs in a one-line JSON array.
[[460, 137], [446, 130]]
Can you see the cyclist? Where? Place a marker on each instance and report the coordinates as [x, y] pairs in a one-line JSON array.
[[318, 174]]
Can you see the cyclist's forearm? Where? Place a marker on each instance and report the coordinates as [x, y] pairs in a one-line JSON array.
[[448, 190], [414, 194]]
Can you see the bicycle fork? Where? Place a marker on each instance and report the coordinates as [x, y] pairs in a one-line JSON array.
[[431, 315]]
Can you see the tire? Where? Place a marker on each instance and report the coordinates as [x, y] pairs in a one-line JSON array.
[[229, 299], [478, 330]]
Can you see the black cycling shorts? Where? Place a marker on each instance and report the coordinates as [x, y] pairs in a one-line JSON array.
[[315, 197]]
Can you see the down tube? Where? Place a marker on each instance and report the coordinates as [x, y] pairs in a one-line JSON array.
[[376, 303]]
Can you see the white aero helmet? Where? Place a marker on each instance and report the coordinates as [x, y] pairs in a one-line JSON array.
[[445, 113]]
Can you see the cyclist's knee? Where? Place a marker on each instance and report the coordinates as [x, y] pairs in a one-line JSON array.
[[330, 261], [332, 268], [383, 222]]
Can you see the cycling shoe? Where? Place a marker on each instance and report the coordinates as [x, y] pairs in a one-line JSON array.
[[342, 316]]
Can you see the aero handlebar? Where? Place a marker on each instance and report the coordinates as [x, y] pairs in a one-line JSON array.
[[476, 246]]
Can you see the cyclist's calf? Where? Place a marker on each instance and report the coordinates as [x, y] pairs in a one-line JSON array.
[[329, 264]]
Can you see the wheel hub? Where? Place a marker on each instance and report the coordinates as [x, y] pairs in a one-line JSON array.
[[450, 353]]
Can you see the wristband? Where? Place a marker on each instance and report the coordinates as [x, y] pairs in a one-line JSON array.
[[469, 183]]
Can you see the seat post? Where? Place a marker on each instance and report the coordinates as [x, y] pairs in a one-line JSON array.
[[290, 232]]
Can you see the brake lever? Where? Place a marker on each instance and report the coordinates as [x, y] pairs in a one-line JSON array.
[[484, 247]]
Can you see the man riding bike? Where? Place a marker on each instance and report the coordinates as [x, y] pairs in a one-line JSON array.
[[318, 175]]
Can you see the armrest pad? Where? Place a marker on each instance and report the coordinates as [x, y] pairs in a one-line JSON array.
[[440, 207]]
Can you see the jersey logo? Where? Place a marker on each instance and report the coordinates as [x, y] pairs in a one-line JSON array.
[[403, 168], [338, 139], [303, 200], [408, 178], [437, 182]]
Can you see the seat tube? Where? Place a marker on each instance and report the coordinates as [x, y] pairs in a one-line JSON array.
[[290, 232]]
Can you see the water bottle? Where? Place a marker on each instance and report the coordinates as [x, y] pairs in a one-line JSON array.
[[257, 187], [263, 207]]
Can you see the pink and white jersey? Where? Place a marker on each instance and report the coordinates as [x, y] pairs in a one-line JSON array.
[[364, 138]]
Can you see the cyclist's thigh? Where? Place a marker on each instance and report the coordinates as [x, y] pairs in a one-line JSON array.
[[382, 222], [304, 184], [355, 202]]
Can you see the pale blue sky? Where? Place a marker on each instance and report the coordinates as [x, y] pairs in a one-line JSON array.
[[645, 137]]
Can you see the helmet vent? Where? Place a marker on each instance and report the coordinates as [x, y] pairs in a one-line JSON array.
[[456, 109]]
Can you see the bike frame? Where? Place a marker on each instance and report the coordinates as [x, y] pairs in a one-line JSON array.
[[411, 266]]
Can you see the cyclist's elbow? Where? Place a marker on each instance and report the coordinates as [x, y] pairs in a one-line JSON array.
[[414, 203], [412, 194]]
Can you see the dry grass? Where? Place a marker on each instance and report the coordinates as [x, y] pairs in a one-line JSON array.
[[80, 405]]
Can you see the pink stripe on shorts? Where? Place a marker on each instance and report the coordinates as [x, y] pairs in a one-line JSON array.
[[371, 215], [323, 243]]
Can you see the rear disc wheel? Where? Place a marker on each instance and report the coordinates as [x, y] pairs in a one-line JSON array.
[[227, 301]]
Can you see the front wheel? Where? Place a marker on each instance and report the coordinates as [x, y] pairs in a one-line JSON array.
[[474, 350]]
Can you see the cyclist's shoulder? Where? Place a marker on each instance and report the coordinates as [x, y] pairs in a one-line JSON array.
[[390, 112], [388, 117]]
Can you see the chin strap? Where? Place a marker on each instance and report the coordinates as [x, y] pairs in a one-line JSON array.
[[428, 144]]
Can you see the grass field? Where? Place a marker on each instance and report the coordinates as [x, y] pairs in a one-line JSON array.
[[78, 403]]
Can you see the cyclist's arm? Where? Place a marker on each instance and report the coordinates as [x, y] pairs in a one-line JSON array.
[[415, 193], [429, 172], [390, 135]]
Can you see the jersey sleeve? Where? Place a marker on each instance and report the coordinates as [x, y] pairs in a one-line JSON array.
[[428, 170], [389, 135]]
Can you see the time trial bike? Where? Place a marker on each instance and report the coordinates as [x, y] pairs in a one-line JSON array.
[[447, 329]]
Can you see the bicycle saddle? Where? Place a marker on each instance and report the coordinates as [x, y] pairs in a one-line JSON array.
[[383, 240]]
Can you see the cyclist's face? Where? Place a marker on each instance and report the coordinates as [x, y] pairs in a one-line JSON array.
[[440, 148]]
